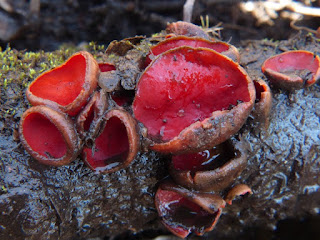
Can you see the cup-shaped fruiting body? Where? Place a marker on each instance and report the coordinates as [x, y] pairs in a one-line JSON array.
[[195, 42], [191, 99], [210, 170], [183, 211], [123, 98], [263, 104], [187, 29], [293, 69], [67, 87], [117, 144], [106, 67], [49, 136], [238, 190], [88, 119]]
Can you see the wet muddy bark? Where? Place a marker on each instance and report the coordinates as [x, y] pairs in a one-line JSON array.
[[72, 202]]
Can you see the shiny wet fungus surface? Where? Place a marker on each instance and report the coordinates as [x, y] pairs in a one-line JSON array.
[[190, 86]]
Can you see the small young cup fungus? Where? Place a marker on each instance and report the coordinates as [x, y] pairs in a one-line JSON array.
[[262, 107], [106, 67], [183, 211], [49, 136], [123, 98], [67, 87], [88, 119], [238, 190], [293, 69], [210, 170], [191, 99], [195, 42], [187, 29], [117, 144]]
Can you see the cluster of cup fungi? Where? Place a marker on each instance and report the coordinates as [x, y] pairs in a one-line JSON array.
[[191, 98]]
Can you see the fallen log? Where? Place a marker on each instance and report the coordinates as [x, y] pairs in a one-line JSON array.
[[73, 202]]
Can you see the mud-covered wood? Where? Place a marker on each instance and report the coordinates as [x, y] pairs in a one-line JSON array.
[[72, 202]]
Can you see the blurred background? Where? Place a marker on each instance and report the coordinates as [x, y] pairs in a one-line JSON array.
[[47, 24]]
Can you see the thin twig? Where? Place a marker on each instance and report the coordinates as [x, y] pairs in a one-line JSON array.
[[35, 6], [6, 6], [300, 8], [295, 27], [238, 27], [187, 10]]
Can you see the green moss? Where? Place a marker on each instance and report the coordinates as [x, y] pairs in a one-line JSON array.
[[94, 48], [156, 35], [205, 22], [4, 189], [21, 67], [18, 69]]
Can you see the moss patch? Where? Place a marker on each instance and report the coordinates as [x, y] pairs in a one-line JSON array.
[[20, 68]]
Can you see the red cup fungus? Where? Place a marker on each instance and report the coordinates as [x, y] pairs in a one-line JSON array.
[[117, 144], [209, 170], [186, 29], [183, 211], [262, 107], [123, 97], [195, 42], [106, 67], [67, 87], [238, 190], [89, 118], [49, 136], [293, 69], [191, 99]]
